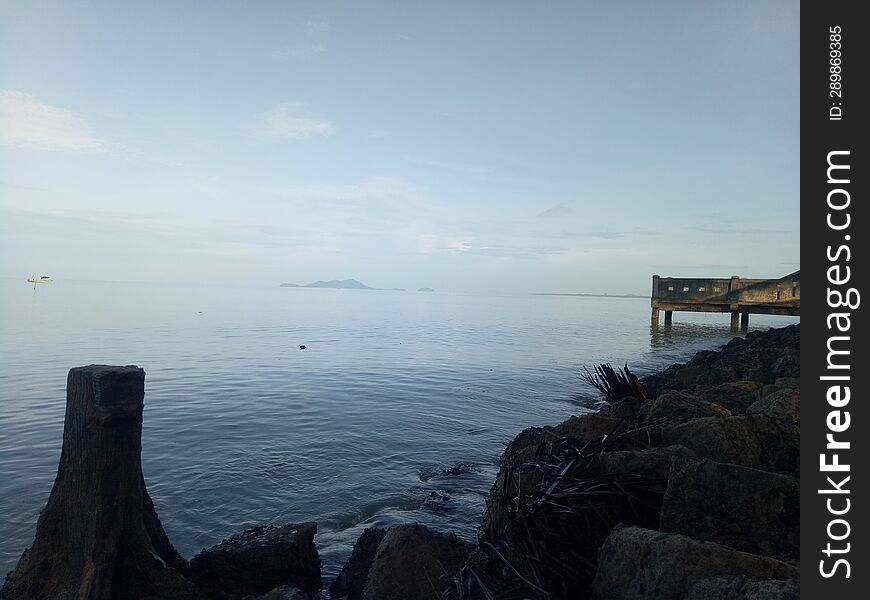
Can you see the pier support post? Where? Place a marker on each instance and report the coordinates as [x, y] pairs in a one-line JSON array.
[[654, 319], [669, 317], [744, 320], [735, 320], [99, 536]]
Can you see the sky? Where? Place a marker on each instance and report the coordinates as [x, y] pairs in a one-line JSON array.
[[499, 146]]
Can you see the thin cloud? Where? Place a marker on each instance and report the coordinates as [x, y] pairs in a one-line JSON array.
[[285, 122], [316, 26], [459, 167], [302, 51], [28, 123], [555, 212]]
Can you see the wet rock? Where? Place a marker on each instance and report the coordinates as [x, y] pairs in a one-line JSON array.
[[736, 396], [438, 501], [351, 582], [763, 356], [790, 383], [777, 421], [728, 440], [643, 564], [258, 561], [766, 438], [679, 407], [413, 561], [526, 446], [746, 509], [655, 462], [285, 592], [626, 408], [592, 426], [744, 588], [432, 472]]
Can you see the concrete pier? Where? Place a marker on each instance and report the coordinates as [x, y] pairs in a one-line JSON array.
[[736, 295]]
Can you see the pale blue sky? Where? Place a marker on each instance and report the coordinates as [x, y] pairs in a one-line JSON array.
[[505, 146]]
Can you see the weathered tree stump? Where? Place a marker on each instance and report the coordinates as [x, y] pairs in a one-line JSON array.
[[98, 537]]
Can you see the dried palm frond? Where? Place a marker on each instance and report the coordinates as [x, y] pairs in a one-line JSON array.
[[615, 385]]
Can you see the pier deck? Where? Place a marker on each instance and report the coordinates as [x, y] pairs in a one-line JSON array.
[[738, 296]]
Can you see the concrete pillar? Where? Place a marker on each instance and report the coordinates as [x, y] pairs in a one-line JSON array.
[[654, 319], [669, 317], [744, 320], [735, 320]]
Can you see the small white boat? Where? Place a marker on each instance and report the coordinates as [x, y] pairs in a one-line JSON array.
[[34, 280]]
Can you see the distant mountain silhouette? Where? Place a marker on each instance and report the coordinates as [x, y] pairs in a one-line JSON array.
[[424, 289], [335, 284]]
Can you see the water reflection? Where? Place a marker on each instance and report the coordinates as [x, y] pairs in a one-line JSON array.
[[686, 335]]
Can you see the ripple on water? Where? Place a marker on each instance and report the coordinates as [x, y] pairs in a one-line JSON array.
[[397, 411]]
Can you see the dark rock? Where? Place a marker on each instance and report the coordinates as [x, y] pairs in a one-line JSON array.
[[678, 407], [777, 421], [655, 462], [285, 592], [456, 470], [351, 582], [626, 408], [736, 396], [728, 440], [437, 501], [258, 561], [746, 509], [791, 383], [763, 356], [592, 426], [643, 564], [744, 588], [413, 561], [99, 536]]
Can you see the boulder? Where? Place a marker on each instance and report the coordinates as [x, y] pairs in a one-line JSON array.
[[643, 564], [729, 440], [413, 561], [626, 408], [767, 437], [259, 560], [791, 383], [736, 396], [746, 509], [777, 421], [351, 582], [654, 462], [679, 407], [744, 588], [285, 592], [592, 426], [763, 356]]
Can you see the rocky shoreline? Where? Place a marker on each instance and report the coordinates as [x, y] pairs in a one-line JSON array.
[[691, 494]]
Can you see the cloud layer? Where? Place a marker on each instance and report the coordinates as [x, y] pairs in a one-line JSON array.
[[28, 123], [285, 122]]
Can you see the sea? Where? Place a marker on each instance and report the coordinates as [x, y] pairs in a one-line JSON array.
[[396, 410]]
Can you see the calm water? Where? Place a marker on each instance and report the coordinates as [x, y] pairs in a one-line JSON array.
[[244, 428]]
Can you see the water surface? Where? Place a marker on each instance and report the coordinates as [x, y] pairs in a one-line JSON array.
[[361, 428]]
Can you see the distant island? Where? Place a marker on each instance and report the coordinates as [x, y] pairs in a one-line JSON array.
[[424, 289], [334, 284]]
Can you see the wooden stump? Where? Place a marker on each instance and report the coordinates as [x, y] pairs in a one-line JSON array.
[[98, 537]]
